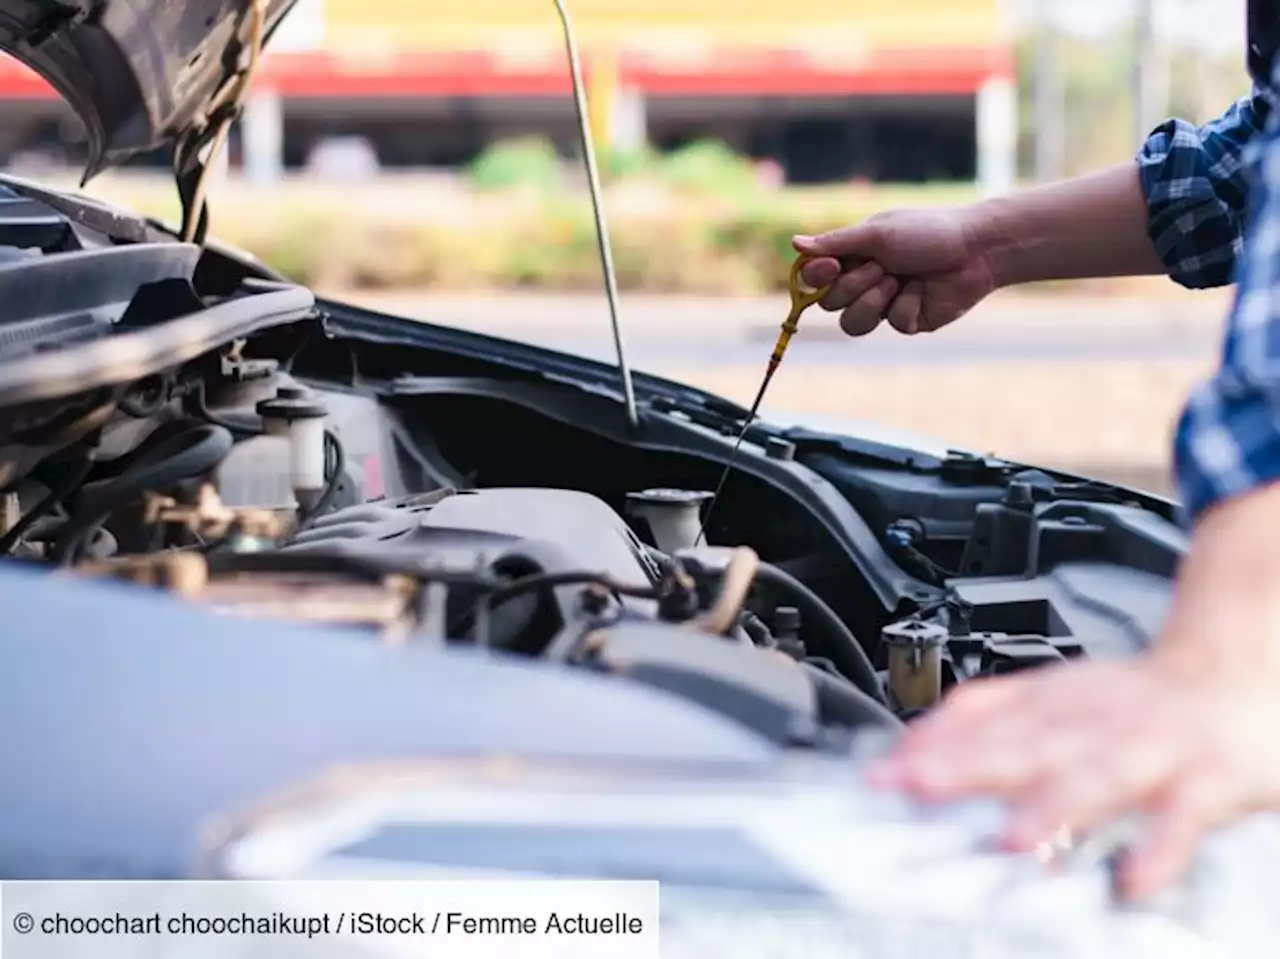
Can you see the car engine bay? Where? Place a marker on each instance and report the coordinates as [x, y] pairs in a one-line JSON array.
[[181, 419]]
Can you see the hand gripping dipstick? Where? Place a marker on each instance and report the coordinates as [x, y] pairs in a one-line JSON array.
[[802, 297]]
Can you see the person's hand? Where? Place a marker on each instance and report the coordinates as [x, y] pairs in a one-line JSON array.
[[1076, 746], [919, 269]]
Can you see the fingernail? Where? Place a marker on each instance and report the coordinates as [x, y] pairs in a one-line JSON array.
[[803, 240]]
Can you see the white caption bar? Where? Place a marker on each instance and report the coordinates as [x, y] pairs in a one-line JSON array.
[[327, 919]]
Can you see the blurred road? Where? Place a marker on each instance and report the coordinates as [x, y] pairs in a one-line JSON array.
[[660, 331], [1093, 384]]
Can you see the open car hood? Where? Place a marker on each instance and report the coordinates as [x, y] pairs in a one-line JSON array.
[[139, 73]]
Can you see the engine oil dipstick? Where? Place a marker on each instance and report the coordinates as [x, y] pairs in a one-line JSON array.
[[802, 297]]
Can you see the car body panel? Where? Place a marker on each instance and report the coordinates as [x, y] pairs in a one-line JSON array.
[[142, 718]]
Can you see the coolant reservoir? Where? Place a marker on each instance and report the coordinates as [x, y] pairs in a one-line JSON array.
[[256, 475], [299, 414], [915, 662]]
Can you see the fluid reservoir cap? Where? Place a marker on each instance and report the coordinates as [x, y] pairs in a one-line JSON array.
[[1020, 495], [670, 497], [779, 449], [914, 634], [786, 621], [293, 403]]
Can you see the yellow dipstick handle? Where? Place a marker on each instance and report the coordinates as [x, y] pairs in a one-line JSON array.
[[802, 297]]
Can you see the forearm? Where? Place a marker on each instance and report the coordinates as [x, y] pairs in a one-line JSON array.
[[1091, 226], [1177, 211], [1227, 457], [1226, 609]]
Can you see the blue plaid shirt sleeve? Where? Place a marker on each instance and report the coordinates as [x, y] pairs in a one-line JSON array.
[[1228, 439], [1195, 181]]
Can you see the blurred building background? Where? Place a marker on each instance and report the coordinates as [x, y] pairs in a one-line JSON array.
[[831, 90], [432, 82]]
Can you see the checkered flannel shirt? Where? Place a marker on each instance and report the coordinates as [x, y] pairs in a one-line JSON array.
[[1213, 194]]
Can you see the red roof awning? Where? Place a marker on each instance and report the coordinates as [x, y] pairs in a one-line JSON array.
[[717, 73]]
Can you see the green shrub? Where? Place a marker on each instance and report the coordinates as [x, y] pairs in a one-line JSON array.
[[708, 166], [666, 238], [674, 254], [616, 164], [703, 246], [556, 249], [525, 162], [309, 248]]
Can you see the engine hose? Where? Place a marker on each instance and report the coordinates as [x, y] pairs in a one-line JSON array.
[[197, 404], [335, 466], [735, 585], [755, 627], [189, 454], [145, 399], [841, 703], [838, 642], [55, 496]]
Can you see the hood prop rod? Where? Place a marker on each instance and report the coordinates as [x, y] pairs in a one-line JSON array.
[[597, 210]]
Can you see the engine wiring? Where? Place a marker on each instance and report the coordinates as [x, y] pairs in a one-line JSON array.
[[51, 500], [846, 652], [335, 467], [841, 645], [335, 453], [847, 704], [197, 404], [191, 451], [739, 576], [188, 449], [904, 538], [539, 582], [145, 399], [163, 459], [757, 629]]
